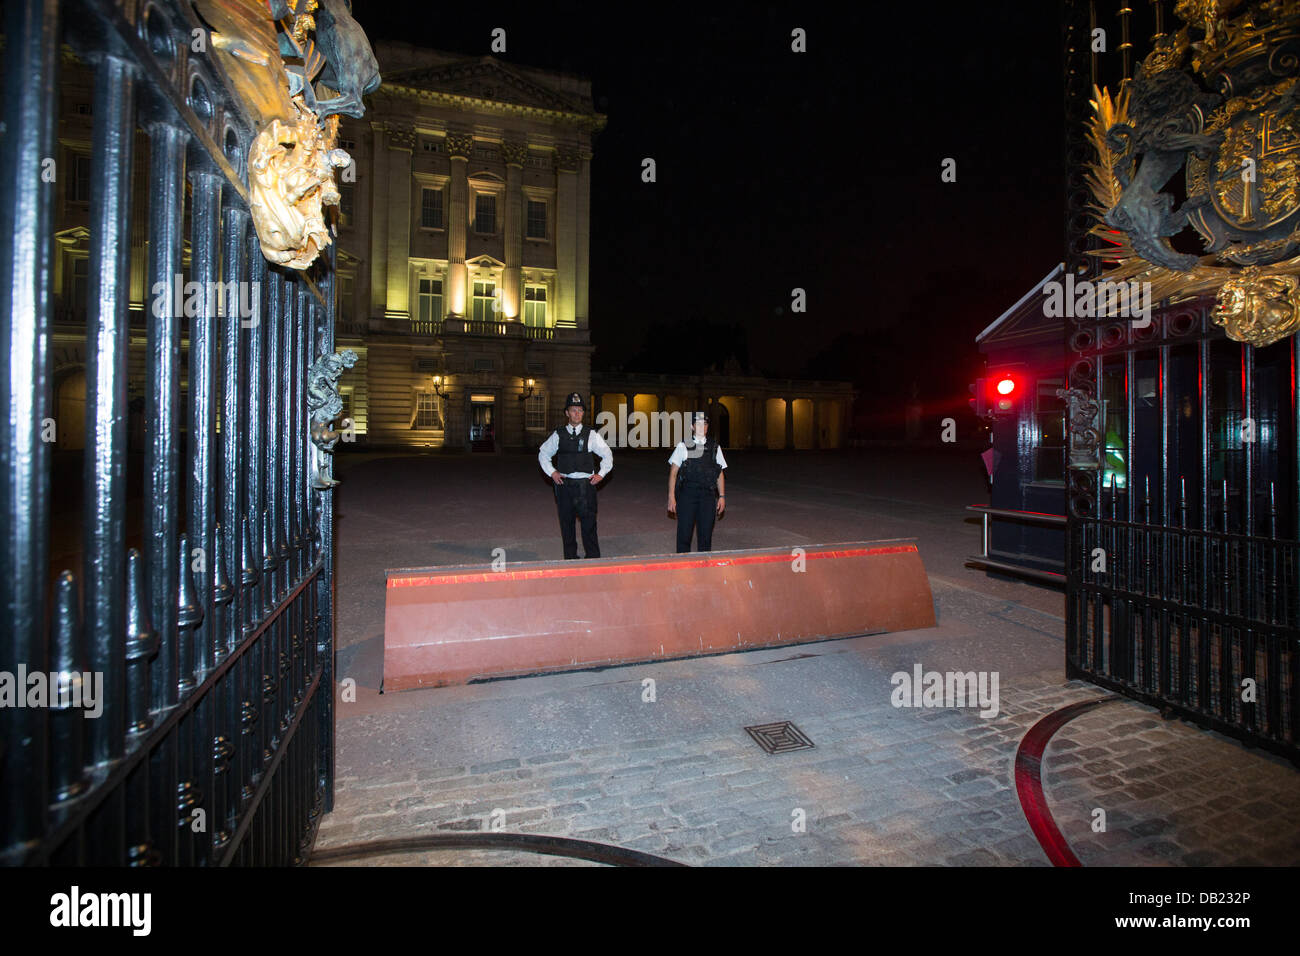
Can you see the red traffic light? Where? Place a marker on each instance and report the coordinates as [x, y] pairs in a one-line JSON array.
[[1002, 394]]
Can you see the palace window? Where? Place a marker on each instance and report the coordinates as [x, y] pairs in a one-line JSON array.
[[79, 180], [429, 308], [536, 220], [344, 304], [535, 411], [430, 208], [535, 306], [347, 201], [80, 274], [428, 414], [485, 213], [1050, 414], [484, 295], [431, 145]]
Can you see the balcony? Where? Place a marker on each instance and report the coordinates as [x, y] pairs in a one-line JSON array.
[[458, 326]]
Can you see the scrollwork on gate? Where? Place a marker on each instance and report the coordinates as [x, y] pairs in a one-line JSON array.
[[1083, 420], [324, 404]]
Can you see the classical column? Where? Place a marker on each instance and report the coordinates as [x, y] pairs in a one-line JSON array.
[[378, 186], [397, 196], [789, 423], [584, 241], [459, 147], [567, 162], [515, 154]]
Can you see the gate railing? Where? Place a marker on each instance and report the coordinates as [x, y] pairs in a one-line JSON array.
[[1203, 623], [214, 642]]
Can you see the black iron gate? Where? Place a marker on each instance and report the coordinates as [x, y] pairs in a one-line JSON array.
[[214, 640], [1183, 543]]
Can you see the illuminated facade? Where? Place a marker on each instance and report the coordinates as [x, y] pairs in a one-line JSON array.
[[463, 251]]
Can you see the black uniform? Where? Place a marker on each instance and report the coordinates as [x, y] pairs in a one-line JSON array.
[[577, 496], [697, 495]]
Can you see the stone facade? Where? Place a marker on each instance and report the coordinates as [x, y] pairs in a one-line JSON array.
[[464, 251]]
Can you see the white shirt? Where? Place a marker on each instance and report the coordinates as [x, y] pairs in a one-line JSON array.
[[595, 444], [679, 455]]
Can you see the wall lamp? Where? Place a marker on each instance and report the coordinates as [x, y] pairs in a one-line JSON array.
[[531, 383]]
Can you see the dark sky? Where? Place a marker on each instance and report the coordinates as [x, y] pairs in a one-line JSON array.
[[818, 170]]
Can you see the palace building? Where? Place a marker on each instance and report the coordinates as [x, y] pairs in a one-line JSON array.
[[465, 293]]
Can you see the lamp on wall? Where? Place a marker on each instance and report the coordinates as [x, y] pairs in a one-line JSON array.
[[528, 394], [437, 385]]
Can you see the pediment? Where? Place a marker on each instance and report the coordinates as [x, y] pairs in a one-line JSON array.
[[486, 79], [485, 262]]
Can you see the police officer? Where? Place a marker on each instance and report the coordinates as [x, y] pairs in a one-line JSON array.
[[696, 485], [568, 458]]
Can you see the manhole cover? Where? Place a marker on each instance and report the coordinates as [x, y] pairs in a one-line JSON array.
[[780, 737]]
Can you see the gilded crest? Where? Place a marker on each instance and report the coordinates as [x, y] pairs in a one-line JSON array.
[[1218, 100], [295, 65]]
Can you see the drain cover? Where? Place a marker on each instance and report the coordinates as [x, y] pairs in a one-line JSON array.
[[779, 738]]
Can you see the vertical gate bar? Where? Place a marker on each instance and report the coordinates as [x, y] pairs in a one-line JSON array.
[[1128, 617], [67, 723], [228, 739], [202, 489], [1202, 593], [282, 438], [273, 490], [283, 442], [256, 425], [203, 399], [107, 345], [26, 245], [302, 339], [324, 632], [1294, 392], [1185, 560], [162, 398], [1164, 554], [1248, 553], [233, 423]]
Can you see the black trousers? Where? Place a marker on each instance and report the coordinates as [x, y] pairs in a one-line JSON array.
[[576, 498], [696, 508]]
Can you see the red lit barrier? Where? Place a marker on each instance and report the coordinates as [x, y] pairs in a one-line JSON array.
[[452, 625]]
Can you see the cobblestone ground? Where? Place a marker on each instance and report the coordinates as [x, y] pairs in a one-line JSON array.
[[882, 786], [585, 755], [1172, 794]]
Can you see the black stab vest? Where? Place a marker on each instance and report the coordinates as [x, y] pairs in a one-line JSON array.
[[574, 453], [701, 471]]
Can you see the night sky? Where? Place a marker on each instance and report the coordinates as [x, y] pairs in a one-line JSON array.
[[818, 170]]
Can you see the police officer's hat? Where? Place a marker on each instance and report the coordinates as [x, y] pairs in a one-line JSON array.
[[574, 399], [699, 416]]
